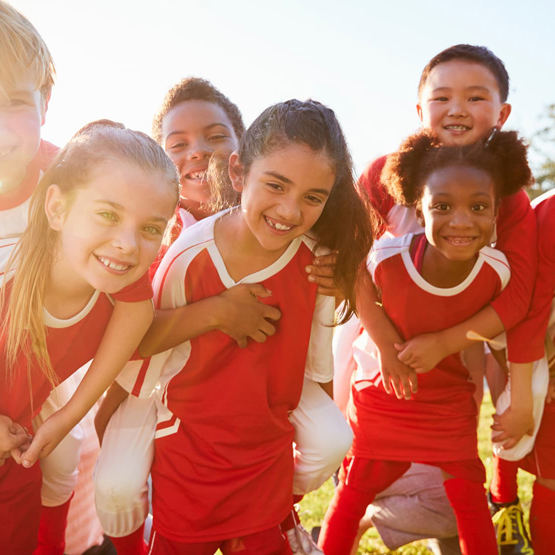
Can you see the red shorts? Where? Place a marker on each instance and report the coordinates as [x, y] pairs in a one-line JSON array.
[[359, 472], [541, 460], [19, 508], [268, 542]]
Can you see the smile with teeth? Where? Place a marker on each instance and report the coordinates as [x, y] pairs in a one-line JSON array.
[[457, 127], [460, 241], [277, 225], [113, 265], [197, 176], [5, 151]]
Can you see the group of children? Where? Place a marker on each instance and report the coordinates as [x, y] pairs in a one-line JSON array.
[[219, 375]]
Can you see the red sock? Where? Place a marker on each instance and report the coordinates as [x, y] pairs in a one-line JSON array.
[[132, 544], [504, 486], [340, 526], [292, 518], [476, 533], [52, 529], [541, 520]]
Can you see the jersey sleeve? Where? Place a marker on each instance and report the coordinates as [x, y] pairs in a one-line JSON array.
[[517, 239], [140, 377], [141, 290], [528, 337], [319, 359], [382, 202]]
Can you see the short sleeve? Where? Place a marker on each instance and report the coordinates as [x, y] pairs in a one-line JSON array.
[[141, 290], [319, 359]]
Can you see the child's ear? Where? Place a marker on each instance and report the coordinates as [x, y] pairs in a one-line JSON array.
[[419, 112], [55, 206], [504, 114], [236, 172], [45, 102], [420, 216]]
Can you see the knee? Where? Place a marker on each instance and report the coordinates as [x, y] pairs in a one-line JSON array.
[[115, 491]]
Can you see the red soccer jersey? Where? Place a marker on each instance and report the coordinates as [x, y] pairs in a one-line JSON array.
[[439, 423], [71, 343], [224, 463], [516, 238], [531, 332]]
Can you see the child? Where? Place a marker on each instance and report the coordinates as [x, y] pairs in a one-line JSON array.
[[463, 94], [26, 78], [92, 235], [235, 481], [198, 126], [451, 273], [540, 461]]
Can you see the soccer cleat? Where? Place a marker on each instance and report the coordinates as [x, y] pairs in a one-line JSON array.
[[301, 541], [511, 533]]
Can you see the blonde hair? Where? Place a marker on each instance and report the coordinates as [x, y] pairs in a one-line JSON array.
[[95, 144], [23, 50]]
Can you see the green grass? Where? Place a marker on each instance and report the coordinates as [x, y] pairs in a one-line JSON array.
[[314, 505]]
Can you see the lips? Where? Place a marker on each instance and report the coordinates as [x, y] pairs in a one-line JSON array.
[[457, 128]]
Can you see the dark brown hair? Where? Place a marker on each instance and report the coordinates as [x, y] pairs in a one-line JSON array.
[[503, 156], [475, 54], [195, 88]]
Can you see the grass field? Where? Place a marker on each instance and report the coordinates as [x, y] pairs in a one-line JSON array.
[[314, 505]]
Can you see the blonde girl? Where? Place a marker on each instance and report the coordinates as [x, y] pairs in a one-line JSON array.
[[75, 280]]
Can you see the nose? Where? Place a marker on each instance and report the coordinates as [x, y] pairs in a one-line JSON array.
[[457, 108], [289, 209], [198, 150], [461, 219], [126, 240]]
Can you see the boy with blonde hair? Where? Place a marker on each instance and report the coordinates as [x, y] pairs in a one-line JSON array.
[[26, 78]]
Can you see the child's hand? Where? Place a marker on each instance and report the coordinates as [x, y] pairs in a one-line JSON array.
[[12, 437], [422, 353], [47, 437], [321, 273], [397, 377], [511, 426], [244, 316]]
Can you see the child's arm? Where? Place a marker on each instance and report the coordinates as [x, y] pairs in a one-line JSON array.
[[396, 375], [518, 419], [112, 400], [517, 232], [127, 325], [236, 312]]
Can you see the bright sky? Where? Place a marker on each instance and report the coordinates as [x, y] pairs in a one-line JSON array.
[[117, 58]]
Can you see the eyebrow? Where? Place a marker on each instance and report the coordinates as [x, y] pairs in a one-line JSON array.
[[470, 87], [449, 195], [207, 128], [118, 206]]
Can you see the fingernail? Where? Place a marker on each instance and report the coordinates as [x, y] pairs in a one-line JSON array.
[[311, 279], [26, 464], [308, 270], [317, 262]]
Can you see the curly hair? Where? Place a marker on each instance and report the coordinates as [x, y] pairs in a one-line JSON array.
[[474, 54], [195, 88], [503, 156]]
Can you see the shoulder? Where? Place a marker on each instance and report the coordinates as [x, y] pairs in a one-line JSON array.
[[386, 248], [47, 152], [498, 262]]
